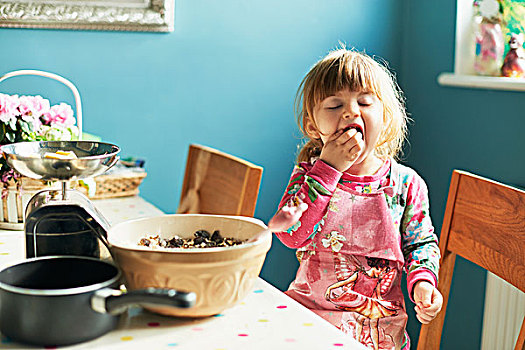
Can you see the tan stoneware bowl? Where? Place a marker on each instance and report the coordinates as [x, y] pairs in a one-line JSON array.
[[220, 276]]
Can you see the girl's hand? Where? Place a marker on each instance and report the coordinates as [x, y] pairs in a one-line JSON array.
[[342, 149], [428, 301], [287, 216]]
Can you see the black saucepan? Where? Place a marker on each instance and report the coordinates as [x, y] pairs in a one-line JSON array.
[[63, 300]]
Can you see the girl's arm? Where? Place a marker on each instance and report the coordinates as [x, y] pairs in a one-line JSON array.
[[312, 185], [419, 242]]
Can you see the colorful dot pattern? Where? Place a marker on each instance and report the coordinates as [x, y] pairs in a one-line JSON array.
[[180, 342]]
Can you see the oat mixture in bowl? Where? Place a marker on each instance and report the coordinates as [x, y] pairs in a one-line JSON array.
[[201, 239]]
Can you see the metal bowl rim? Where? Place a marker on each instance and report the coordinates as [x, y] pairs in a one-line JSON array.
[[18, 156]]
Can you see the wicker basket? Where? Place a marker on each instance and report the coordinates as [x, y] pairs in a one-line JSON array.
[[15, 197], [116, 185]]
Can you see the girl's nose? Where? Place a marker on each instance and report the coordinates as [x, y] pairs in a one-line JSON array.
[[352, 110]]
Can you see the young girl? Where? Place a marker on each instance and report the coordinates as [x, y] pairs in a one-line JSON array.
[[355, 215]]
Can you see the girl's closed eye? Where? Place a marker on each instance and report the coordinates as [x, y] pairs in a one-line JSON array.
[[366, 101], [332, 103]]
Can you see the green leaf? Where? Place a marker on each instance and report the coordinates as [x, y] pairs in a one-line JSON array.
[[12, 124], [312, 194], [11, 137], [317, 186], [2, 132], [297, 178], [25, 126], [30, 136]]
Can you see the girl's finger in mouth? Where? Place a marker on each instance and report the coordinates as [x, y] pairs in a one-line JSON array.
[[357, 128]]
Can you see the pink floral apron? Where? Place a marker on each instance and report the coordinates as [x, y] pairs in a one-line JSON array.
[[350, 273]]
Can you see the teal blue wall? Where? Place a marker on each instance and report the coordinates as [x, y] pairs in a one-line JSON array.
[[227, 76]]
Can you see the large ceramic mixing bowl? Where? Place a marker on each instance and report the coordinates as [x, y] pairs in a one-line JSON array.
[[220, 276]]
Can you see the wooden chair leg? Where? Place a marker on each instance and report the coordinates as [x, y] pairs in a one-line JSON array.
[[430, 334]]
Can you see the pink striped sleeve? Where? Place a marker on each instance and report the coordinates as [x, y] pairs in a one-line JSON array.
[[315, 185]]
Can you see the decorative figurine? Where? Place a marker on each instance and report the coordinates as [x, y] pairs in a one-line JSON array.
[[514, 63], [490, 42]]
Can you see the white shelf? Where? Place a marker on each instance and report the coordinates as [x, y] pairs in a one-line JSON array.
[[481, 82]]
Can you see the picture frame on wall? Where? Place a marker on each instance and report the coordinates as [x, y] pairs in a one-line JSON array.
[[111, 15]]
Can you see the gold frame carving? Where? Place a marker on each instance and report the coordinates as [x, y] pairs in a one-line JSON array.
[[113, 15]]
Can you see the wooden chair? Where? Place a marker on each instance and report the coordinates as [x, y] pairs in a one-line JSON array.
[[219, 183], [484, 223]]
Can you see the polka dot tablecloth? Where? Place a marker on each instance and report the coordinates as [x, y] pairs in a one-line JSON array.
[[265, 319]]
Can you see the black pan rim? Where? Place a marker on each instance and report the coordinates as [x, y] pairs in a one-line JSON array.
[[60, 292]]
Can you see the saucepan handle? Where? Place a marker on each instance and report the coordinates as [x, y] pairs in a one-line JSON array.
[[114, 302]]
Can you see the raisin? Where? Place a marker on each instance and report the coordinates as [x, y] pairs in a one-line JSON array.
[[216, 236], [202, 233], [175, 242]]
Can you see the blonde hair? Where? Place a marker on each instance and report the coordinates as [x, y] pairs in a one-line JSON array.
[[349, 69]]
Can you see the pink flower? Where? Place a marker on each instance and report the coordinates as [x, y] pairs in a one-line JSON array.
[[9, 174], [32, 108], [33, 105], [8, 108], [61, 114], [30, 118]]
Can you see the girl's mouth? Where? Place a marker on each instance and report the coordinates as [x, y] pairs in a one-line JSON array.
[[356, 127]]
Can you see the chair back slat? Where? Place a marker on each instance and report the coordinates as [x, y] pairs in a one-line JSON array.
[[488, 227], [484, 222], [219, 183]]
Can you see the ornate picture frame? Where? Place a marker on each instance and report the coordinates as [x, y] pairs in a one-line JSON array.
[[113, 15]]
